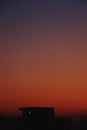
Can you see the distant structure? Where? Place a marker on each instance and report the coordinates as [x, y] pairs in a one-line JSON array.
[[37, 113]]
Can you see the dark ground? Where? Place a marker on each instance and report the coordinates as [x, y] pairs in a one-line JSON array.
[[61, 123], [14, 123]]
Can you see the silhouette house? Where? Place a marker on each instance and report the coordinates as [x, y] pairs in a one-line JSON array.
[[37, 113]]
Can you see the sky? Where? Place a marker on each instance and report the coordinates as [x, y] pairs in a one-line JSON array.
[[43, 55]]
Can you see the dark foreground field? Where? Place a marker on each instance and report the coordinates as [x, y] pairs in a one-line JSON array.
[[21, 124], [18, 123]]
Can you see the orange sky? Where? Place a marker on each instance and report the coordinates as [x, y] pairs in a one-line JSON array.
[[44, 64]]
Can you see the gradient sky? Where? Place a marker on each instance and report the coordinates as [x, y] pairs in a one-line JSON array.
[[43, 55]]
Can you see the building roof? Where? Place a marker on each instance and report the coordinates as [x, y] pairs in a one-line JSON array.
[[35, 108]]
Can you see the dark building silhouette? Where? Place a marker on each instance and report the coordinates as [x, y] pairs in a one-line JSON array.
[[38, 117], [37, 113]]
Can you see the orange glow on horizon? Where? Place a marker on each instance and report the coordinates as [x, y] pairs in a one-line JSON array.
[[44, 67]]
